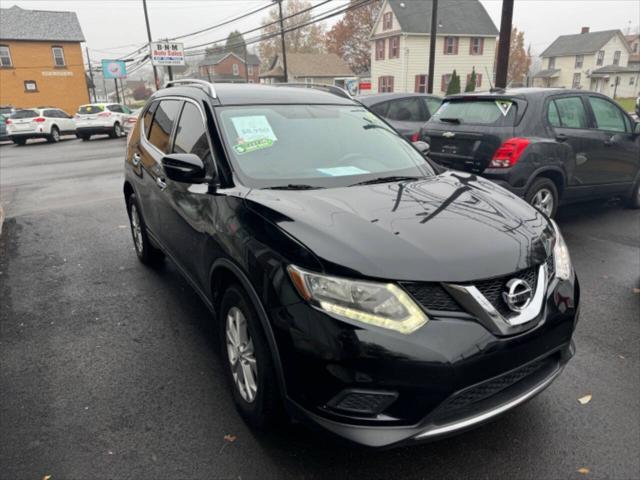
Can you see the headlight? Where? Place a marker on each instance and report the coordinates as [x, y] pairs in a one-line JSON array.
[[561, 259], [381, 304]]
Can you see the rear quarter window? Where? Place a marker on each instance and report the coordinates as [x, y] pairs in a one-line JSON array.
[[498, 113]]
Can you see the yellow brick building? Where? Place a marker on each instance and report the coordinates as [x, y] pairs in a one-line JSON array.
[[41, 60]]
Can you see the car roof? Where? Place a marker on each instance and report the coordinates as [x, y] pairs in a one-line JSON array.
[[258, 94], [523, 92], [383, 97]]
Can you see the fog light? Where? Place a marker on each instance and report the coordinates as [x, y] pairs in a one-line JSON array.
[[362, 402]]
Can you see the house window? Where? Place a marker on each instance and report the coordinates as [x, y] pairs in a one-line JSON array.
[[380, 49], [476, 46], [387, 21], [552, 63], [394, 47], [600, 59], [630, 80], [450, 45], [236, 69], [635, 48], [30, 86], [616, 57], [421, 83], [576, 80], [58, 56], [5, 56], [250, 69], [478, 79], [444, 84], [385, 84], [579, 61]]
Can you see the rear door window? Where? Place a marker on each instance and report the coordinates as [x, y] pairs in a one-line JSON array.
[[162, 125], [607, 115], [90, 109], [25, 114], [405, 109], [491, 112], [571, 111], [191, 134], [115, 108], [51, 114], [433, 104], [380, 108]]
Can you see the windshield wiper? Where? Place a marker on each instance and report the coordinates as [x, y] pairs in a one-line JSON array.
[[369, 126], [450, 120], [293, 186], [393, 178]]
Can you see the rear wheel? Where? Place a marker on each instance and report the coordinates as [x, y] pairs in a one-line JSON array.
[[116, 131], [54, 136], [147, 253], [249, 364], [543, 195]]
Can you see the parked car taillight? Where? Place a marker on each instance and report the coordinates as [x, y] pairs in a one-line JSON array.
[[39, 119], [104, 114], [7, 121], [415, 137], [132, 120], [508, 153]]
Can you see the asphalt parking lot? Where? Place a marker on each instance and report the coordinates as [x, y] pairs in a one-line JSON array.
[[110, 370]]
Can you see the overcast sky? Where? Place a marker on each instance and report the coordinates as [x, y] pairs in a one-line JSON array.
[[116, 27]]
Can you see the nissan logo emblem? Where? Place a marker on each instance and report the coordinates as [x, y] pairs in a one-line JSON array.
[[518, 294]]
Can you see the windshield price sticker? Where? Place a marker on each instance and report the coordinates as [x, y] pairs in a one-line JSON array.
[[254, 127], [504, 106], [252, 146]]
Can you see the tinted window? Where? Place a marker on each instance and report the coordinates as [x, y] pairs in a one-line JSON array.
[[191, 136], [608, 116], [433, 104], [380, 108], [552, 115], [88, 109], [115, 108], [148, 115], [571, 111], [25, 114], [50, 113], [406, 109], [483, 112], [163, 121]]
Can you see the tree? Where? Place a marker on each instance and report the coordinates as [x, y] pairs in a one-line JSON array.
[[213, 49], [471, 83], [519, 59], [454, 84], [235, 43], [141, 93], [349, 37], [307, 39]]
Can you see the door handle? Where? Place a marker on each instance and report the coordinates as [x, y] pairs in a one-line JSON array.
[[161, 183], [136, 159], [609, 142], [561, 137]]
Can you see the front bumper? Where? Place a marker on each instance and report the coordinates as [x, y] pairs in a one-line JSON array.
[[451, 375]]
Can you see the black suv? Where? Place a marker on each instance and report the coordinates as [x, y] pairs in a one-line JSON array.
[[546, 145], [352, 284]]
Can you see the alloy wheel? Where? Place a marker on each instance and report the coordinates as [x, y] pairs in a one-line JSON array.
[[543, 201], [55, 134], [117, 130], [241, 354], [136, 229]]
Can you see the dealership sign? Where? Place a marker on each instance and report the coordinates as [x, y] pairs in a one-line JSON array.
[[167, 54], [114, 69]]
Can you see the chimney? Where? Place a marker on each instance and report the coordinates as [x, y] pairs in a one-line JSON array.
[[584, 30]]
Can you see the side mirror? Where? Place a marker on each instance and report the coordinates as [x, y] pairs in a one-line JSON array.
[[423, 147], [184, 167]]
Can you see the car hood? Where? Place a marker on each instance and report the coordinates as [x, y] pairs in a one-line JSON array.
[[451, 227]]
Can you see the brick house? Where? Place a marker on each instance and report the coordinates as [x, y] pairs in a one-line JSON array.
[[41, 59], [229, 67], [465, 39]]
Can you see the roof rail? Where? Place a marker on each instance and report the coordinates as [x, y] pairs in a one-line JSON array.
[[208, 86], [341, 92]]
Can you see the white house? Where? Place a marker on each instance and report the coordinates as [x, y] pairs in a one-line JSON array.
[[595, 61], [466, 39]]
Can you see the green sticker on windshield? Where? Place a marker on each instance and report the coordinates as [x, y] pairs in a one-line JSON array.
[[252, 146]]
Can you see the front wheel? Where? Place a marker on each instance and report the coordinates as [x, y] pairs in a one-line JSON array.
[[249, 365], [543, 195]]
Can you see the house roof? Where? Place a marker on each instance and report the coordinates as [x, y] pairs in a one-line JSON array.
[[615, 69], [311, 65], [215, 58], [579, 43], [20, 24], [553, 72], [456, 17], [634, 58], [632, 38]]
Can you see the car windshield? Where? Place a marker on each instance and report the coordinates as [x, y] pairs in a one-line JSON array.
[[315, 146], [25, 114], [89, 109], [495, 112]]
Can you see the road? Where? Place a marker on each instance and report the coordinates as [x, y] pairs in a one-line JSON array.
[[110, 369]]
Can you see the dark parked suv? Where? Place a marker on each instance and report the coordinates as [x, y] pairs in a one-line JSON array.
[[352, 284], [546, 145]]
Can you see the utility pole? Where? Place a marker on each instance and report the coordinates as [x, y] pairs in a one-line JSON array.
[[146, 19], [284, 53], [504, 43], [246, 67], [93, 85], [115, 81], [432, 44]]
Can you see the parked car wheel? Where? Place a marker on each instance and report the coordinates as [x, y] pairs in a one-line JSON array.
[[20, 141], [147, 253], [543, 195], [246, 354], [54, 136], [634, 199], [117, 131]]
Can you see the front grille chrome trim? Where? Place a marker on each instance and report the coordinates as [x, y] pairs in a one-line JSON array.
[[474, 302]]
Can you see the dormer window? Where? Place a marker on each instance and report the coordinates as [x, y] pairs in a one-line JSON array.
[[387, 21], [616, 57]]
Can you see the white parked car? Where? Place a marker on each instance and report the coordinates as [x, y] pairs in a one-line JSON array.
[[97, 118], [47, 122], [131, 121]]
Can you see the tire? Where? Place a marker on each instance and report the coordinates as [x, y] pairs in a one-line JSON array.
[[146, 252], [633, 201], [543, 195], [262, 407], [85, 138], [54, 136], [116, 131], [20, 141]]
